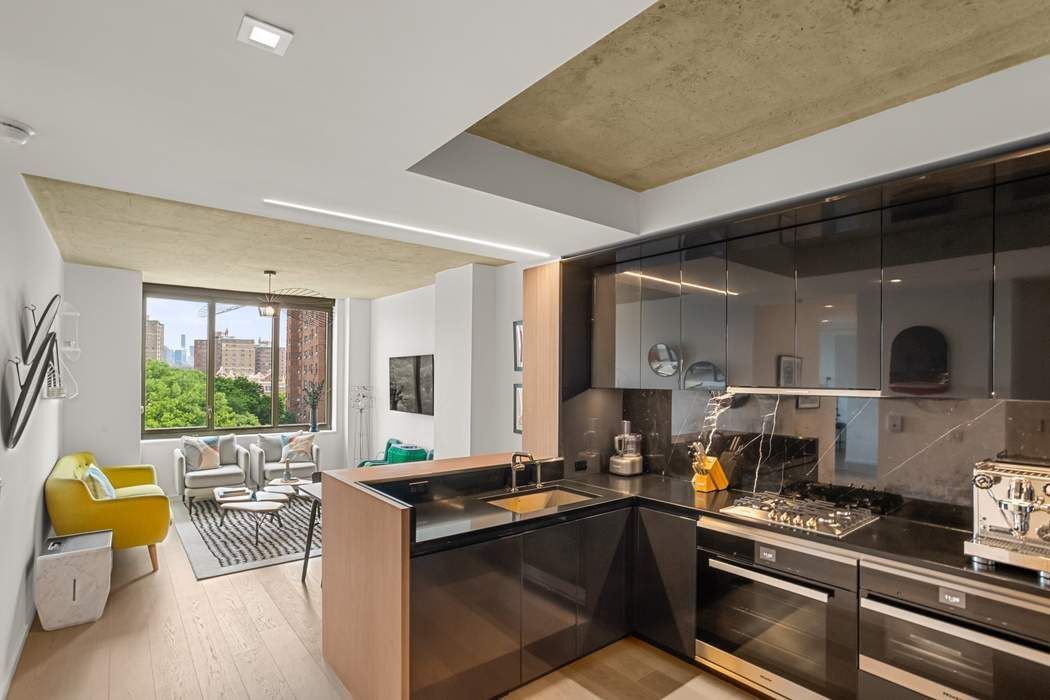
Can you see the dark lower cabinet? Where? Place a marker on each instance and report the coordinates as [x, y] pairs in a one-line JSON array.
[[465, 624], [665, 580], [549, 589], [605, 551]]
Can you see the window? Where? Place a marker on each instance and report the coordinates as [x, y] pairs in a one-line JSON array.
[[212, 362]]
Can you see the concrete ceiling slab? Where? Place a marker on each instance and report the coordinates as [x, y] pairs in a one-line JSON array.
[[177, 243], [688, 85]]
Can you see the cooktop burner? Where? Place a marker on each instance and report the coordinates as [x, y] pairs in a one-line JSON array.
[[847, 497], [822, 517]]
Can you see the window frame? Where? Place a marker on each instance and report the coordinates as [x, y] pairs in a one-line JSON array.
[[211, 297]]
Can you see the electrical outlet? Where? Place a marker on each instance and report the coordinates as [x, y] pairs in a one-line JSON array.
[[581, 465], [895, 423]]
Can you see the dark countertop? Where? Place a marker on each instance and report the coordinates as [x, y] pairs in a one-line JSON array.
[[454, 522], [911, 542]]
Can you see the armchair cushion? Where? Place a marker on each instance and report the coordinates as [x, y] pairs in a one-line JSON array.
[[140, 490], [227, 475], [97, 484], [298, 448], [199, 454], [272, 445]]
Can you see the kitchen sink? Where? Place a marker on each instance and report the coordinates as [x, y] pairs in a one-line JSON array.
[[531, 501]]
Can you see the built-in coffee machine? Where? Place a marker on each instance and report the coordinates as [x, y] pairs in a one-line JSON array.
[[1011, 515]]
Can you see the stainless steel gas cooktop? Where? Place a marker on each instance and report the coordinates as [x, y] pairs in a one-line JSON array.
[[806, 514]]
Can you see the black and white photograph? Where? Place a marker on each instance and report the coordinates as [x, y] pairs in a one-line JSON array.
[[412, 384]]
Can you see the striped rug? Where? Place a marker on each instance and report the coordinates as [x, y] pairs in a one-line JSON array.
[[215, 550]]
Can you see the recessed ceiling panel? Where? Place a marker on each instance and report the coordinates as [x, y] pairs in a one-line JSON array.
[[688, 85], [178, 243]]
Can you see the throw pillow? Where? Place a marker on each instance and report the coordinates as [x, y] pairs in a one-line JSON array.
[[226, 445], [199, 454], [300, 448], [271, 446], [98, 484]]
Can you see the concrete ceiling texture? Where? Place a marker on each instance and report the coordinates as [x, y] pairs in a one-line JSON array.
[[177, 243], [158, 107], [689, 85]]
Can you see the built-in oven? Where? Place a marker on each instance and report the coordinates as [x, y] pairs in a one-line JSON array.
[[947, 637], [776, 612]]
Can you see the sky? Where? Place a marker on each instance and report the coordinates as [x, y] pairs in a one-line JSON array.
[[191, 318]]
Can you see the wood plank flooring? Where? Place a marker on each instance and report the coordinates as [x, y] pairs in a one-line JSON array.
[[257, 634]]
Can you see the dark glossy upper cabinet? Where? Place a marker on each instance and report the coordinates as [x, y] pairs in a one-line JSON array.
[[1022, 289], [616, 338], [937, 296], [703, 346], [761, 308], [661, 315], [838, 309]]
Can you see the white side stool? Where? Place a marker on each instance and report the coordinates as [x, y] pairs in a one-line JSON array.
[[71, 579]]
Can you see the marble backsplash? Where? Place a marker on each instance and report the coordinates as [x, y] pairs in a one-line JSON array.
[[921, 448]]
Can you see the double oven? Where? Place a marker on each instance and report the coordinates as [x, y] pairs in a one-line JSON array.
[[776, 612], [802, 619]]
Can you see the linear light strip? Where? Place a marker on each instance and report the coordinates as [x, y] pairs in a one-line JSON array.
[[701, 287], [405, 227]]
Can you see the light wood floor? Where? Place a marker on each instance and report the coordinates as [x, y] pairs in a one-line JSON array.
[[257, 634]]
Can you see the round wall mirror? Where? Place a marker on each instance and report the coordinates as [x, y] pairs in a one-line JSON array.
[[663, 360], [703, 375]]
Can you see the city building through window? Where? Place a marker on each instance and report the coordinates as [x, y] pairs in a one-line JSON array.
[[211, 361]]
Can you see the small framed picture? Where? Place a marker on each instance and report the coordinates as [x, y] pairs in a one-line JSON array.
[[519, 358], [789, 370], [807, 402], [519, 408]]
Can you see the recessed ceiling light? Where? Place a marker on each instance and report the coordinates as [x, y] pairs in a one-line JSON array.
[[829, 306], [825, 320], [264, 36], [406, 227], [895, 280]]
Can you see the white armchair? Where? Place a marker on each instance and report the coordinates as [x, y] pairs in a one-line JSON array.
[[201, 482], [264, 468]]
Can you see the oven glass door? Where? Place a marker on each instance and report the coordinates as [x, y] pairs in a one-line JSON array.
[[936, 658], [791, 628]]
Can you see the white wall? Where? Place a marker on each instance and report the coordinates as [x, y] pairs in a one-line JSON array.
[[402, 324], [105, 418], [30, 273], [466, 320]]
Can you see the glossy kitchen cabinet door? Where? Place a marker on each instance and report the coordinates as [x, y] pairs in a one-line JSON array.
[[549, 591], [1022, 290], [665, 580], [465, 623], [660, 358], [761, 309], [616, 331], [605, 550], [838, 311], [704, 318], [937, 297]]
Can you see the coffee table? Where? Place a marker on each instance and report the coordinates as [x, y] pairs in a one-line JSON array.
[[257, 510]]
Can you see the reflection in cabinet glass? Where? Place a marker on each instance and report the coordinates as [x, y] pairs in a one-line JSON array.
[[1022, 289], [704, 318], [616, 337], [838, 310], [761, 301], [660, 321], [937, 296]]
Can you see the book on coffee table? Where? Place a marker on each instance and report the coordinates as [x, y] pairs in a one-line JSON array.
[[233, 492]]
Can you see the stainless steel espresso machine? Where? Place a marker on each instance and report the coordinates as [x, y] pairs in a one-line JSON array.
[[1011, 515]]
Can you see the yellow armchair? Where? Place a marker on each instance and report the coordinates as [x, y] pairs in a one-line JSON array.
[[139, 515]]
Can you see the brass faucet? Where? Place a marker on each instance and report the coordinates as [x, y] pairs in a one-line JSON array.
[[517, 464]]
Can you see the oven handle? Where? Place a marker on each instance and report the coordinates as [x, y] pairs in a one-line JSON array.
[[963, 633], [812, 593]]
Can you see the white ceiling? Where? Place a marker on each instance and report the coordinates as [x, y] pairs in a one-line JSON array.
[[158, 98]]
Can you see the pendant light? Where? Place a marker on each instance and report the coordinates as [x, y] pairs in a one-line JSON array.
[[268, 305]]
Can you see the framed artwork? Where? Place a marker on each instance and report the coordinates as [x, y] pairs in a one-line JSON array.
[[519, 358], [519, 408], [789, 370], [807, 402]]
